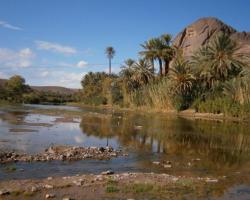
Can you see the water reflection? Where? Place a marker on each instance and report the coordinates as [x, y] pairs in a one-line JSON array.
[[217, 144], [221, 147]]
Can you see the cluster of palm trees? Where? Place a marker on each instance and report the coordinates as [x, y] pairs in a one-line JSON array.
[[217, 63], [159, 49]]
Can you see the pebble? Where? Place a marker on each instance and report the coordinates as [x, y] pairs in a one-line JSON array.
[[48, 186], [138, 127], [4, 192], [50, 196], [167, 166], [109, 172], [208, 180], [33, 189], [78, 182], [67, 198]]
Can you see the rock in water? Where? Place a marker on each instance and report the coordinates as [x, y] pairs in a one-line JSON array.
[[204, 30], [109, 172]]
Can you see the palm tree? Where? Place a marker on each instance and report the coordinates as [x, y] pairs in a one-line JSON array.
[[110, 51], [238, 88], [159, 46], [149, 52], [181, 77], [142, 73], [126, 73], [220, 59], [167, 51], [159, 49]]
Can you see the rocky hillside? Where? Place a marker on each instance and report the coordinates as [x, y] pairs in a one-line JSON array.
[[55, 89], [203, 30]]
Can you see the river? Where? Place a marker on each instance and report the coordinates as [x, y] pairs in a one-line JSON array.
[[197, 148]]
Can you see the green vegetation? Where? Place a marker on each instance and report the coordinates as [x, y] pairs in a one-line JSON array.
[[16, 91], [215, 79], [112, 186], [11, 168]]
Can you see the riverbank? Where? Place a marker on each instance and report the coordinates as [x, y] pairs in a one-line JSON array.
[[189, 113], [110, 186]]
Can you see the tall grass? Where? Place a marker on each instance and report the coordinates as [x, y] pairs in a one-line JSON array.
[[223, 105], [154, 95]]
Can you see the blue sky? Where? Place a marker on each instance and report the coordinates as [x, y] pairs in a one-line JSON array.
[[56, 42]]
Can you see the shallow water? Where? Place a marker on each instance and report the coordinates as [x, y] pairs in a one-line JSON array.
[[195, 147]]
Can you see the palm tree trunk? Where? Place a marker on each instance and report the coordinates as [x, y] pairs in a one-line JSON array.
[[160, 67], [166, 63], [153, 65], [109, 66]]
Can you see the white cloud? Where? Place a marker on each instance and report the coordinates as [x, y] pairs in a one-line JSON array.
[[62, 78], [81, 64], [9, 26], [114, 70], [21, 58], [54, 47], [44, 74]]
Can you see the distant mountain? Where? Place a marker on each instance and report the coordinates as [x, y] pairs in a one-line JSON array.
[[54, 89], [204, 30]]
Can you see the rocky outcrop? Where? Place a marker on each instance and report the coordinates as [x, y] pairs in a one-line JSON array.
[[204, 30], [62, 153]]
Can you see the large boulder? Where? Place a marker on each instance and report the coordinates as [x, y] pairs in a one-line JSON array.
[[204, 30]]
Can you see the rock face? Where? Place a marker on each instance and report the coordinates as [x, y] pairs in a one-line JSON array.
[[204, 30]]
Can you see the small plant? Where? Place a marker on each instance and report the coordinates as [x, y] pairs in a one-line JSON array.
[[112, 189], [10, 168], [112, 186]]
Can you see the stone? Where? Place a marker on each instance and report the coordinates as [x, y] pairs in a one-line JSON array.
[[209, 180], [78, 182], [67, 198], [101, 149], [48, 186], [50, 178], [62, 157], [167, 166], [138, 127], [4, 192], [109, 172], [50, 150], [50, 196], [156, 163], [34, 189]]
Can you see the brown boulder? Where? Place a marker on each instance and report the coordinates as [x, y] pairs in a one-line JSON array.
[[204, 30]]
